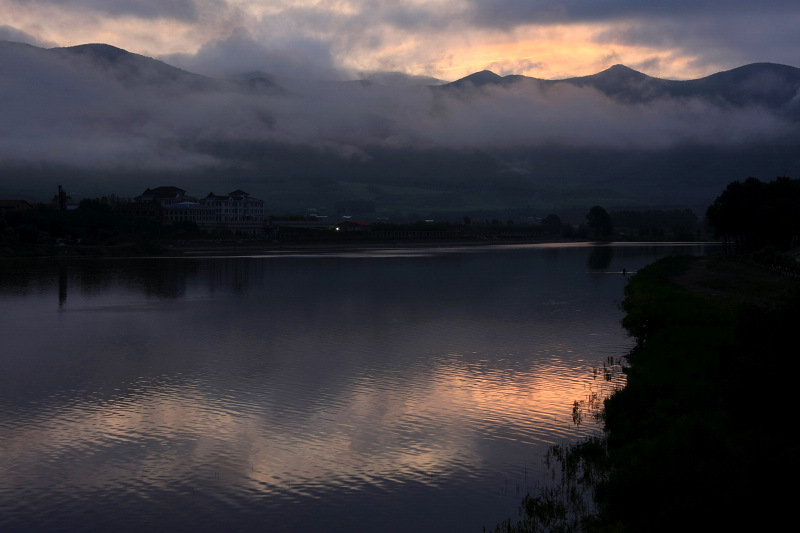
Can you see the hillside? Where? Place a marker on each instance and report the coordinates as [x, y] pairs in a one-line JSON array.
[[101, 121]]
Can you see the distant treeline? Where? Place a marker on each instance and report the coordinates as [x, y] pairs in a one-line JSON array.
[[753, 214], [94, 221], [101, 221]]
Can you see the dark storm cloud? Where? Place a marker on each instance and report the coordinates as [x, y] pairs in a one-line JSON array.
[[412, 17], [507, 13], [147, 9], [736, 39]]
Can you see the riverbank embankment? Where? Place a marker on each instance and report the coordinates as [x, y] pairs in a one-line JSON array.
[[700, 437], [701, 433]]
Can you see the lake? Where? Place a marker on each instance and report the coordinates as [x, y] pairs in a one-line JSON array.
[[374, 390]]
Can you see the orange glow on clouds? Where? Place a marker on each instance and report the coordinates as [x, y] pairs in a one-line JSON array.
[[543, 51], [551, 53]]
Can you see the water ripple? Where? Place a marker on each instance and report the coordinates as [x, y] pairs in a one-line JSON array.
[[254, 394]]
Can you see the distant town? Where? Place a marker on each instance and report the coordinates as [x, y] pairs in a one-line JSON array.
[[163, 217]]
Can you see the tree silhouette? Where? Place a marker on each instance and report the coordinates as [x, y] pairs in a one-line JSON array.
[[553, 223], [599, 221], [752, 214]]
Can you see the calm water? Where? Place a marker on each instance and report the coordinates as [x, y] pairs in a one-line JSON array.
[[402, 390]]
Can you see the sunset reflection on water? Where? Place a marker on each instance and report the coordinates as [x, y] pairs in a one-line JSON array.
[[187, 392]]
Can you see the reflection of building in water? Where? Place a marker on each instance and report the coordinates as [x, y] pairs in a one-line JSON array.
[[235, 212], [600, 257], [62, 284]]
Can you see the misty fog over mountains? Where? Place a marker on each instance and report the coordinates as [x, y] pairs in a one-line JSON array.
[[100, 120]]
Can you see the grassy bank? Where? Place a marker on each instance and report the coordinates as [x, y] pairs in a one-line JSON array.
[[700, 438], [700, 434]]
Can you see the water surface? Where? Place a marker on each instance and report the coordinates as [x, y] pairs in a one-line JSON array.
[[389, 390]]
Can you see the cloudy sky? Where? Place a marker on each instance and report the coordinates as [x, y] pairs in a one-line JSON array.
[[447, 39]]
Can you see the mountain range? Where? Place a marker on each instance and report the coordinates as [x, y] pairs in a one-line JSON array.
[[101, 120]]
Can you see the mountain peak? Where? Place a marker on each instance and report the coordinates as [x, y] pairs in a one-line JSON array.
[[98, 50], [619, 67], [131, 69], [488, 74], [478, 79], [623, 83], [619, 71]]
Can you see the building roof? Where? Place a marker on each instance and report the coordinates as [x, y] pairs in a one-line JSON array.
[[164, 192]]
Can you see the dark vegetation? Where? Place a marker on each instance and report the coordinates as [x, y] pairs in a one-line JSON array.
[[699, 438], [100, 226], [599, 222], [94, 222], [700, 422], [752, 214]]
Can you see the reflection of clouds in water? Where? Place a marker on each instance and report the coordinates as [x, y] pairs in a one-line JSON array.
[[166, 438], [268, 383], [371, 433]]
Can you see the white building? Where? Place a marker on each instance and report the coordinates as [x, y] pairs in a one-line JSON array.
[[235, 212]]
